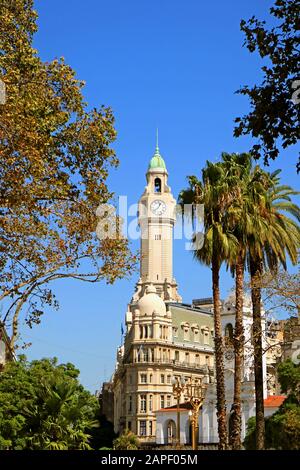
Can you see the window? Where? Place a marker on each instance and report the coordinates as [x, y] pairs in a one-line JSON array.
[[152, 355], [169, 379], [150, 402], [207, 360], [168, 400], [205, 331], [157, 237], [162, 379], [175, 331], [162, 401], [164, 355], [143, 378], [150, 428], [196, 335], [146, 355], [150, 378], [143, 403], [229, 331], [160, 331], [157, 185], [129, 425], [150, 327], [143, 428], [186, 331], [176, 355], [141, 331], [130, 404], [130, 379], [187, 358]]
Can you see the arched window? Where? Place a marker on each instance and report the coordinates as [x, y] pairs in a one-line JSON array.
[[229, 331], [157, 185]]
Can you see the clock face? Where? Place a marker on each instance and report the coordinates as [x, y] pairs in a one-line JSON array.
[[158, 207]]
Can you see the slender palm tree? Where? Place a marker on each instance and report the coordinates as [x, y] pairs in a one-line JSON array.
[[216, 192], [244, 224], [259, 220], [274, 237], [239, 166]]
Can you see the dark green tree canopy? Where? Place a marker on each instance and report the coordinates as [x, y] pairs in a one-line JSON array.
[[274, 118], [43, 406]]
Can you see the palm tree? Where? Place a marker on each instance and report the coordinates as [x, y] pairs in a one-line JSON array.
[[244, 222], [127, 441], [239, 166], [264, 234], [60, 419], [216, 192], [274, 235]]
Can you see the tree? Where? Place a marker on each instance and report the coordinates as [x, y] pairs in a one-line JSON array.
[[55, 157], [275, 110], [238, 166], [281, 291], [43, 407], [102, 436], [283, 427], [249, 211], [216, 192], [275, 237], [289, 379], [127, 441]]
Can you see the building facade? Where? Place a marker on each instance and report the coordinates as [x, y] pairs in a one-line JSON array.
[[164, 337]]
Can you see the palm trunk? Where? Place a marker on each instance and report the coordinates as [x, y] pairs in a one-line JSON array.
[[219, 356], [238, 341], [256, 273]]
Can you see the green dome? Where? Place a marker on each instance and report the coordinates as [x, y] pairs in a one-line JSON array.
[[157, 161]]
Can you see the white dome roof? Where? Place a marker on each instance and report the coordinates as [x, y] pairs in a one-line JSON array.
[[151, 302]]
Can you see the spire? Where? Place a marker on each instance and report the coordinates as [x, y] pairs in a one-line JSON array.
[[157, 160], [157, 147]]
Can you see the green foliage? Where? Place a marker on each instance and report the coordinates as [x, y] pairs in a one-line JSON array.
[[274, 115], [289, 378], [43, 406], [103, 435], [283, 427], [127, 441], [250, 438]]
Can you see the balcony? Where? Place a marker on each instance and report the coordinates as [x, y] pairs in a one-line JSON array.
[[174, 363]]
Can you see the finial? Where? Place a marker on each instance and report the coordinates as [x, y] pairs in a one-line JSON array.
[[157, 148]]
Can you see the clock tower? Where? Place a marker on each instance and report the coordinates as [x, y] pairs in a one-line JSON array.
[[156, 217]]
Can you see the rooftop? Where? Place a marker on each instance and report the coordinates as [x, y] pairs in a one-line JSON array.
[[274, 401]]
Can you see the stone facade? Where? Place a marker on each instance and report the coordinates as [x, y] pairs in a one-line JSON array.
[[164, 338]]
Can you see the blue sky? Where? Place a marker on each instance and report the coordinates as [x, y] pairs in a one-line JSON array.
[[167, 63]]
